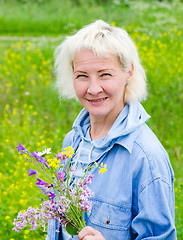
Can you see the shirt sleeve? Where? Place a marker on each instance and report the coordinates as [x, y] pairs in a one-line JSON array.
[[155, 214], [52, 232]]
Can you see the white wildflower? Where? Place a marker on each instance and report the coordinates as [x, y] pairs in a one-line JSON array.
[[44, 152]]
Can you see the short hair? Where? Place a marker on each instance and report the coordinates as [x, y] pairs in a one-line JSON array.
[[104, 40]]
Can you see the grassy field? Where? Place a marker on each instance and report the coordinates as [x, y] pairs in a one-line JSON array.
[[31, 111]]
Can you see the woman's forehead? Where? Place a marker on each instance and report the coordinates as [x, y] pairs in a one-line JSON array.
[[86, 59]]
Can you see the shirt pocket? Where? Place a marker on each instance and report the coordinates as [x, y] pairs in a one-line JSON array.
[[110, 216]]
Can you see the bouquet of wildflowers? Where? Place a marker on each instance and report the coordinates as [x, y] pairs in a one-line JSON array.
[[67, 199]]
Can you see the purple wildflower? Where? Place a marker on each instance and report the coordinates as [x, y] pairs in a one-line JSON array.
[[61, 156], [34, 154], [40, 182], [46, 165], [44, 189], [42, 160], [21, 147], [36, 217], [32, 172], [52, 195]]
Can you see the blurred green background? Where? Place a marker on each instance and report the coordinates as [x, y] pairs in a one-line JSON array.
[[30, 108]]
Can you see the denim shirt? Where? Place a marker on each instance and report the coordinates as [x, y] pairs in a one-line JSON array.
[[134, 199]]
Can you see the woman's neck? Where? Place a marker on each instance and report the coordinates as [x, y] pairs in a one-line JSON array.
[[100, 126]]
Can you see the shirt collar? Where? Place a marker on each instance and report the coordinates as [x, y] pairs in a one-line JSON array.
[[127, 141]]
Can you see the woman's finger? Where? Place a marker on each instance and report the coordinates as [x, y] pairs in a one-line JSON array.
[[89, 233]]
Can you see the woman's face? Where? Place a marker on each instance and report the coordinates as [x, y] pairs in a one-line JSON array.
[[99, 83]]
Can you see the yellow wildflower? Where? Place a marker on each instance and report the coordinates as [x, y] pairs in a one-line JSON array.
[[102, 168], [54, 163], [69, 151], [113, 23], [7, 218], [27, 231]]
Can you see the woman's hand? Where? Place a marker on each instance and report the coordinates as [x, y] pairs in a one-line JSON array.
[[88, 233]]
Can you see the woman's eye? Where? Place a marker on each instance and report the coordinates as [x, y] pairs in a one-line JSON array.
[[106, 75], [81, 76]]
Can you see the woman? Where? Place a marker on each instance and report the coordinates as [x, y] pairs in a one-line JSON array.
[[134, 199]]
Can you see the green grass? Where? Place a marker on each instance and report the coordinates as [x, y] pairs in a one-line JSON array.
[[32, 113], [58, 17]]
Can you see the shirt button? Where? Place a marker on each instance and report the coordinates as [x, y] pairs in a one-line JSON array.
[[107, 221]]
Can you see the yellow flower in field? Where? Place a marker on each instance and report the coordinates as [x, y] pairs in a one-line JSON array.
[[14, 111], [26, 163], [28, 58], [45, 62], [22, 201], [25, 180], [50, 140], [25, 237], [12, 239], [7, 218], [25, 174], [33, 82], [34, 66], [7, 106], [145, 48], [36, 50], [47, 83], [12, 186], [113, 23], [179, 33], [27, 231], [69, 151], [12, 55], [25, 105]]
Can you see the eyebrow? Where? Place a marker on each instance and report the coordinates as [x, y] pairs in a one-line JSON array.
[[106, 69], [80, 71]]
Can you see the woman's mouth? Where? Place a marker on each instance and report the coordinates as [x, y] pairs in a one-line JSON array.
[[97, 100]]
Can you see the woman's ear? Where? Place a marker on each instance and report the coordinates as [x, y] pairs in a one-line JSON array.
[[130, 73]]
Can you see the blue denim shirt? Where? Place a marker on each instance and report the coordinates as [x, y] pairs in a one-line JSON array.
[[134, 199]]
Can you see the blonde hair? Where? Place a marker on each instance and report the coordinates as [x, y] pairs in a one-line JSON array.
[[103, 40]]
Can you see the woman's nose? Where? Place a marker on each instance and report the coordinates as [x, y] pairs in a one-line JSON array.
[[94, 87]]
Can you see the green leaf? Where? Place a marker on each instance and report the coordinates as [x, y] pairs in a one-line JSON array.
[[71, 230]]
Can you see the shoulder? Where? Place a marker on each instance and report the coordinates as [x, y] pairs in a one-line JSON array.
[[71, 139], [148, 142], [154, 157], [68, 139]]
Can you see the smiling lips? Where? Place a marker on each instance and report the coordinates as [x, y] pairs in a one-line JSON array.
[[97, 100]]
